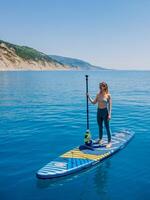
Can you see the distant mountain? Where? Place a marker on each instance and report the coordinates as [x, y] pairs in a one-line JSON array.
[[76, 63], [15, 57]]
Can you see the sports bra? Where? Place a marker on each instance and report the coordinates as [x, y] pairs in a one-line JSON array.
[[103, 100]]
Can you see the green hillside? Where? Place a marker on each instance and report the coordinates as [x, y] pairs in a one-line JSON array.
[[28, 53]]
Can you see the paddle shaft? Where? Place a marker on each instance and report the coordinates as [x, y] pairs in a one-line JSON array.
[[87, 105]]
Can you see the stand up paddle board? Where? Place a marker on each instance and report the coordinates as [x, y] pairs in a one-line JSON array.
[[84, 156]]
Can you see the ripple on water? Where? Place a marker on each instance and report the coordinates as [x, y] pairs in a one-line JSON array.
[[38, 124]]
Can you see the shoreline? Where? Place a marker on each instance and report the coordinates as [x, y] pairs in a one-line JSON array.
[[44, 70]]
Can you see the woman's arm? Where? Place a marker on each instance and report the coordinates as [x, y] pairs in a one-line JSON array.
[[109, 106], [91, 100]]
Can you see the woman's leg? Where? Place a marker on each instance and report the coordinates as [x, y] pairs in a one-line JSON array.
[[106, 121], [100, 125]]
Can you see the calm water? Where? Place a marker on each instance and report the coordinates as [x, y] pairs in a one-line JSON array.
[[42, 115]]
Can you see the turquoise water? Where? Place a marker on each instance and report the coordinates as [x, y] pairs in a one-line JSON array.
[[42, 115]]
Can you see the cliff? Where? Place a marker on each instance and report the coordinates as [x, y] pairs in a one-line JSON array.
[[15, 57]]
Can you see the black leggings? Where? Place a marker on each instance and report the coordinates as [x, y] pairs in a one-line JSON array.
[[102, 115]]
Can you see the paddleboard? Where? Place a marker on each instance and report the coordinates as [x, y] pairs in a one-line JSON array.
[[83, 157]]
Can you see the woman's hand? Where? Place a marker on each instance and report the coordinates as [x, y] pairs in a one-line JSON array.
[[87, 95], [109, 116]]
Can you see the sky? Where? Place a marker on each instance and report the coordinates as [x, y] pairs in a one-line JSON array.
[[109, 33]]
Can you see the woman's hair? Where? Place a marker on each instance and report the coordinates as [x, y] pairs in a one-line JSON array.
[[104, 84]]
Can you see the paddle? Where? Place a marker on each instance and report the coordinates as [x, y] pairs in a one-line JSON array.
[[87, 137], [87, 104]]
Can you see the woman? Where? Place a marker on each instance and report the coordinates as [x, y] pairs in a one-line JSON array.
[[103, 98]]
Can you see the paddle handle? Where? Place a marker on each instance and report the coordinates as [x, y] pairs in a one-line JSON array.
[[87, 105]]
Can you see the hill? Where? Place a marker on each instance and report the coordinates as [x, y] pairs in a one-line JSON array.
[[15, 57], [76, 63]]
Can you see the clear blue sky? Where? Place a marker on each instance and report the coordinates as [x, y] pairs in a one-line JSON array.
[[109, 33]]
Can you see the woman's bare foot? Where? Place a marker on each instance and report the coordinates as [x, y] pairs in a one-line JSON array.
[[108, 145], [100, 142]]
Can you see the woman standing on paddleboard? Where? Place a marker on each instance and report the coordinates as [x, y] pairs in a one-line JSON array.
[[103, 98]]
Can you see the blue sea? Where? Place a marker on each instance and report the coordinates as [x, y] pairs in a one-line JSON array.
[[43, 114]]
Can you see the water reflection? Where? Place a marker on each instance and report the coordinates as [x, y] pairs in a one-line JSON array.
[[101, 179]]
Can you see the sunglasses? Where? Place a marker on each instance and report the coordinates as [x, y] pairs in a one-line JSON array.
[[102, 85]]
